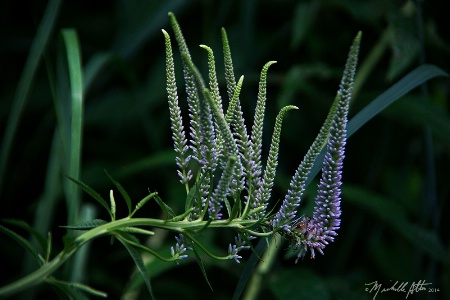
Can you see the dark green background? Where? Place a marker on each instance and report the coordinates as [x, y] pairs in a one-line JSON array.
[[394, 213]]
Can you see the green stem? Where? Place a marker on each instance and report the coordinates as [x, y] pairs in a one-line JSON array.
[[47, 269], [263, 268]]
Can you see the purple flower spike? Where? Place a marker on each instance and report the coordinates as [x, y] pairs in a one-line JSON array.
[[315, 233]]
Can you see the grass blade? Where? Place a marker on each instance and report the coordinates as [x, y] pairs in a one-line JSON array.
[[412, 80], [33, 60], [76, 86]]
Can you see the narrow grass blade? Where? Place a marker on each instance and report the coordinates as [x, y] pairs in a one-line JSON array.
[[412, 80], [249, 269], [33, 60], [76, 86]]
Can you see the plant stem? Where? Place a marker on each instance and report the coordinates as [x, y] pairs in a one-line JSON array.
[[47, 269], [263, 268]]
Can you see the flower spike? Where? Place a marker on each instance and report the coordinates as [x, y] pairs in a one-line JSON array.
[[263, 194], [314, 233], [178, 134]]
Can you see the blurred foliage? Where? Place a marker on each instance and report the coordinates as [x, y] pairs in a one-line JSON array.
[[396, 193]]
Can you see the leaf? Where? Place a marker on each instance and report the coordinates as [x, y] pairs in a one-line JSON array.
[[122, 191], [249, 269], [24, 243], [86, 225], [24, 225], [412, 80], [139, 264], [200, 264], [66, 287], [92, 193], [138, 230], [76, 114], [165, 208], [190, 197]]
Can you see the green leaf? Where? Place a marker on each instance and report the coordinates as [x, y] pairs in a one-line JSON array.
[[249, 269], [165, 208], [190, 197], [23, 243], [122, 191], [86, 225], [138, 230], [412, 80], [76, 127], [67, 286], [139, 264], [200, 264], [24, 225], [92, 193]]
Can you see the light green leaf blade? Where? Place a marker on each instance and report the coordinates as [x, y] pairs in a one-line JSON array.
[[122, 191], [92, 193], [70, 287], [200, 264], [24, 225], [139, 264], [76, 87], [86, 225], [23, 243]]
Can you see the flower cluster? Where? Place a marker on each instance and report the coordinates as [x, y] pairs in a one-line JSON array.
[[181, 247], [228, 157]]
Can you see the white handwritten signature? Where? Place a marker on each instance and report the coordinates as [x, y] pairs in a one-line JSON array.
[[400, 287]]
